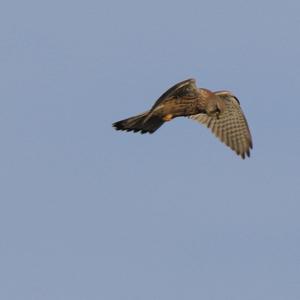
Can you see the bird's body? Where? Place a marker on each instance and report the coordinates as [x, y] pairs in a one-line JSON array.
[[219, 111]]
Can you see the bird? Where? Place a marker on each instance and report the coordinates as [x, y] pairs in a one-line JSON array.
[[220, 111]]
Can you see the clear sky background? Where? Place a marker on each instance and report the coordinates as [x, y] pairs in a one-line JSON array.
[[87, 212]]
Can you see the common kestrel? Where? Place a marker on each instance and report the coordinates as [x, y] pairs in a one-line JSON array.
[[220, 111]]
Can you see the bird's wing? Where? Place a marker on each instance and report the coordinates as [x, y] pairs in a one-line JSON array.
[[230, 126], [186, 88]]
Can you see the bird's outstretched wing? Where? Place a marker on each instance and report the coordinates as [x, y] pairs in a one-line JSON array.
[[230, 126], [184, 92], [186, 88]]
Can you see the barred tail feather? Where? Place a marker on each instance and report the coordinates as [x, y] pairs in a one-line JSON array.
[[139, 123]]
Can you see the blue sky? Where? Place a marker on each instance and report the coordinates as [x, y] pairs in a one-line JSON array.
[[90, 213]]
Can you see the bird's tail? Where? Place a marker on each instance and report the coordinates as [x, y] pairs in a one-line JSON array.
[[142, 122]]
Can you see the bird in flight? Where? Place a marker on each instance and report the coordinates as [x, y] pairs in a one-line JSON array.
[[220, 111]]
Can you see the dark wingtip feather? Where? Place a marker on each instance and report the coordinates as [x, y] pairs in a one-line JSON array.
[[245, 154], [117, 126]]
